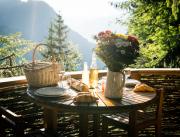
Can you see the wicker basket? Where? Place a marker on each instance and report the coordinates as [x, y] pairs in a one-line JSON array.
[[42, 74]]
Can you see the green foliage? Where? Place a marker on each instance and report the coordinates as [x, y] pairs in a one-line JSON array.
[[64, 52], [14, 44], [158, 33], [17, 47], [174, 5]]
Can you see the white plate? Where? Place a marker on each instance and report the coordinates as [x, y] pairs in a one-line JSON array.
[[51, 92], [131, 82]]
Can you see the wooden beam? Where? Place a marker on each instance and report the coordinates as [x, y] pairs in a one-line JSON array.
[[136, 73]]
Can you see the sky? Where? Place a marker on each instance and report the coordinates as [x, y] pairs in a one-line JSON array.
[[88, 17]]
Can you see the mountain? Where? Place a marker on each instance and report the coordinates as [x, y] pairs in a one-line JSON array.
[[32, 19]]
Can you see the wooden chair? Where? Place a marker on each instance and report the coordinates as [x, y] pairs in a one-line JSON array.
[[8, 119], [138, 119], [16, 123]]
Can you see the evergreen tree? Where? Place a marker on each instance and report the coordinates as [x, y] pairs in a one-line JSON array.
[[64, 52], [18, 47]]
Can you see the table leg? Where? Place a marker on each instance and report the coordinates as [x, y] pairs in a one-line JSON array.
[[83, 121], [96, 124], [50, 120]]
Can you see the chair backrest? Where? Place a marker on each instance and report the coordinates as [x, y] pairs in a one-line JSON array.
[[157, 102], [8, 119], [160, 94], [154, 108], [154, 116]]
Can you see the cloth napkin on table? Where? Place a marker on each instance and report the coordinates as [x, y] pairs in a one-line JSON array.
[[143, 88]]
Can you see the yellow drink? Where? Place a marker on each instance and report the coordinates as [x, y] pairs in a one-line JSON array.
[[93, 78]]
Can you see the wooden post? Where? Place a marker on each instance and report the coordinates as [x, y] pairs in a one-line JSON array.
[[50, 120], [96, 124], [132, 132], [83, 127]]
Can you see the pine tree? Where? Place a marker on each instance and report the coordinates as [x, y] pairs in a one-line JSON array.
[[64, 52], [18, 48]]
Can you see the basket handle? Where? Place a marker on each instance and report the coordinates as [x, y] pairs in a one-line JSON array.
[[34, 51]]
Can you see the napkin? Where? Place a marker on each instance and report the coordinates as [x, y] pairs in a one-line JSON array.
[[143, 88]]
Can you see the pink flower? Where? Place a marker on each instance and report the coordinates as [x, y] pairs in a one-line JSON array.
[[105, 34], [101, 34], [108, 32]]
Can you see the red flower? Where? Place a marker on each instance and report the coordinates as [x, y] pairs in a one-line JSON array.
[[133, 39]]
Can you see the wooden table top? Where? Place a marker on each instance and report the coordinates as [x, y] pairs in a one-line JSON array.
[[130, 100]]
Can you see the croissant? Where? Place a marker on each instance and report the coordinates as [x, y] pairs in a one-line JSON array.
[[85, 98], [143, 87]]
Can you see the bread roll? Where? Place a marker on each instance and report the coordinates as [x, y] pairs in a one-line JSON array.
[[77, 85], [85, 98], [143, 88]]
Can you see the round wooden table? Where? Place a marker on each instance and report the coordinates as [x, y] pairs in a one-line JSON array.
[[130, 101]]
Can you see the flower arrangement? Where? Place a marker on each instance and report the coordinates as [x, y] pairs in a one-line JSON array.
[[117, 51]]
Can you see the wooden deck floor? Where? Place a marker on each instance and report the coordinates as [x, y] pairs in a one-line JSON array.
[[18, 102]]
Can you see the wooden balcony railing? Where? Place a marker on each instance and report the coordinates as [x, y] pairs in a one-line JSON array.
[[137, 73], [20, 81], [10, 83]]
